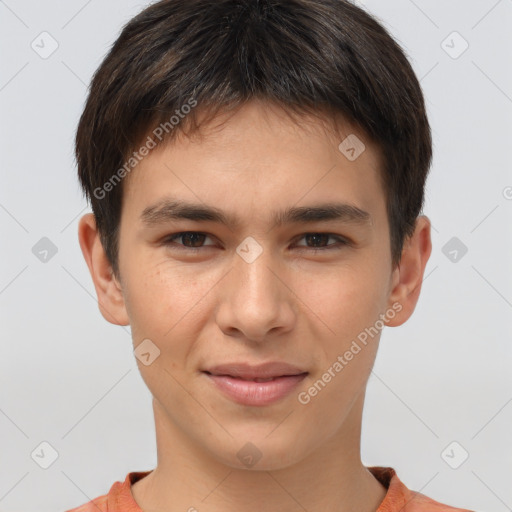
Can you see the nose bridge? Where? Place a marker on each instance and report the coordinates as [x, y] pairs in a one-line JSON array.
[[256, 301], [257, 284]]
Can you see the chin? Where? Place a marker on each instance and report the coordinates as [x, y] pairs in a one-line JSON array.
[[261, 454]]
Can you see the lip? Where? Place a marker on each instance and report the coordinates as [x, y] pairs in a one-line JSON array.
[[236, 380]]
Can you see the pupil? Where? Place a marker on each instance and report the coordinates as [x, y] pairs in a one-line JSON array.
[[188, 236], [316, 237]]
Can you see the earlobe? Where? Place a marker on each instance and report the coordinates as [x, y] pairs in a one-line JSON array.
[[408, 276], [108, 290]]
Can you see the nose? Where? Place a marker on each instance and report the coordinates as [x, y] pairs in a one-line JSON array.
[[256, 302]]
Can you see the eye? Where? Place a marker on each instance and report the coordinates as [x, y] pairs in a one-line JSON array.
[[192, 240], [319, 239]]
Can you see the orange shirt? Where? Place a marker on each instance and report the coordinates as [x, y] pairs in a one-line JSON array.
[[398, 498]]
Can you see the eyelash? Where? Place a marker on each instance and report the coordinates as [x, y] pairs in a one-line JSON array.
[[169, 241]]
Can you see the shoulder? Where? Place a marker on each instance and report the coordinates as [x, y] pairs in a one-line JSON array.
[[118, 499], [400, 498]]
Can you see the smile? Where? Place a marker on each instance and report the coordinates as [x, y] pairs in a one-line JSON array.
[[258, 391]]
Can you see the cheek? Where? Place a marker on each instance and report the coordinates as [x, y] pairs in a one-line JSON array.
[[164, 301], [342, 300], [164, 307], [347, 309]]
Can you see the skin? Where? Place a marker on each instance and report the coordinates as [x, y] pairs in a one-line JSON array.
[[291, 304]]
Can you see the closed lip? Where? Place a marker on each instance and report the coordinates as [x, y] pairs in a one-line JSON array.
[[248, 371]]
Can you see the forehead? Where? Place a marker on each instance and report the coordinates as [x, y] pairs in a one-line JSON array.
[[259, 152]]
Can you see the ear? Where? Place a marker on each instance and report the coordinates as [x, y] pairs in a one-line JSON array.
[[408, 276], [108, 290]]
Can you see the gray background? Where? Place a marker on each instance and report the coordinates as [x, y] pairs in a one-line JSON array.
[[69, 378]]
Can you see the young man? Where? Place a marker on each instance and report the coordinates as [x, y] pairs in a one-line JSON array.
[[256, 171]]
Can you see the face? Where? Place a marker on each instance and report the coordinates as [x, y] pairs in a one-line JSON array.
[[290, 265]]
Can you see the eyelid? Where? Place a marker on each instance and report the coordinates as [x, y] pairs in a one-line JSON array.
[[169, 239], [340, 239]]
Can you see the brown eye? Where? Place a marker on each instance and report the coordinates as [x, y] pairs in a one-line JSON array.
[[189, 240], [319, 241]]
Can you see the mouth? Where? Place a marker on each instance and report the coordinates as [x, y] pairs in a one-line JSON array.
[[255, 379], [255, 385]]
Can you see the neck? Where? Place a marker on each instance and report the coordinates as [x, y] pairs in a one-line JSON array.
[[331, 477]]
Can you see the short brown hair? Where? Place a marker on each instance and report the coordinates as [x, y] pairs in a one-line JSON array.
[[307, 56]]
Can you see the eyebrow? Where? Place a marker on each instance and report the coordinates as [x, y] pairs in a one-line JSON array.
[[173, 209]]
